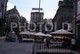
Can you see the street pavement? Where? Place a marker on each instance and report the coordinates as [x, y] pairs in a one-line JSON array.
[[15, 48]]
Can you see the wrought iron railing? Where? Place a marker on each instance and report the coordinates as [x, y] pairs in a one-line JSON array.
[[52, 48]]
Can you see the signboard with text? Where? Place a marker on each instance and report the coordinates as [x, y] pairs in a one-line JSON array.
[[37, 8]]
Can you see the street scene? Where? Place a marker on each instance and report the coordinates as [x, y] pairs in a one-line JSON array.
[[40, 27]]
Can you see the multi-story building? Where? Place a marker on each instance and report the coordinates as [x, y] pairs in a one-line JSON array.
[[3, 7], [15, 20], [13, 16], [64, 16], [37, 17]]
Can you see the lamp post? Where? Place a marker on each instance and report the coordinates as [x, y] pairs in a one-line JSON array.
[[40, 30], [74, 16], [39, 4]]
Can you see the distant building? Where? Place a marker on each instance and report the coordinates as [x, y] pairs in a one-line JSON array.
[[64, 16], [23, 23], [37, 17]]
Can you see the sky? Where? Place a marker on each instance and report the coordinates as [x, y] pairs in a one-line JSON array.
[[25, 7]]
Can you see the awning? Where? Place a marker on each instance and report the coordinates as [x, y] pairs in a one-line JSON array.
[[27, 33], [61, 32]]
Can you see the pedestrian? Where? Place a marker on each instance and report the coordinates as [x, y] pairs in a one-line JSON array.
[[65, 43], [47, 42], [44, 40], [69, 43], [73, 43], [19, 38]]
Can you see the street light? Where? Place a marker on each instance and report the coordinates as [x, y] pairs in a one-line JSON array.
[[75, 15], [39, 4]]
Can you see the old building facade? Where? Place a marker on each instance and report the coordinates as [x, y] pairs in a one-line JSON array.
[[15, 22], [64, 16], [13, 16]]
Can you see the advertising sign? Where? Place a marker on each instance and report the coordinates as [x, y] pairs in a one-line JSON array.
[[37, 9]]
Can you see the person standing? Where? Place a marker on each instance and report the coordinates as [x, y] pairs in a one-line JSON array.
[[19, 38], [73, 41], [47, 42]]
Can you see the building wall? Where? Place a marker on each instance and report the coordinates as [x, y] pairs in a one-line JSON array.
[[3, 7], [78, 22], [37, 18], [63, 16], [13, 17], [23, 23]]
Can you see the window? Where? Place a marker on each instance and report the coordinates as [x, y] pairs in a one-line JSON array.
[[67, 26]]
